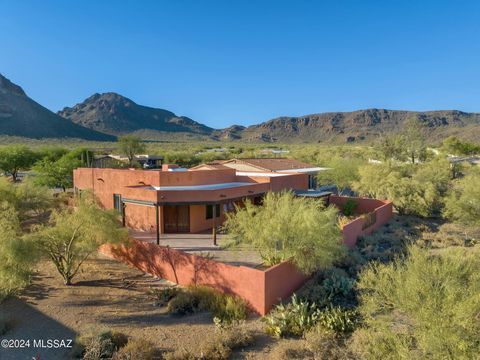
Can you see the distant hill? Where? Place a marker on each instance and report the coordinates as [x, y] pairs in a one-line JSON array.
[[361, 125], [114, 114], [22, 116], [104, 116]]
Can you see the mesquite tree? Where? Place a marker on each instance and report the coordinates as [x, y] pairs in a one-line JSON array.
[[73, 234]]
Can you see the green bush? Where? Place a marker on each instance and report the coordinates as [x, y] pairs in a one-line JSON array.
[[162, 296], [292, 319], [335, 286], [349, 207], [225, 308], [183, 304], [337, 319], [338, 284], [138, 349]]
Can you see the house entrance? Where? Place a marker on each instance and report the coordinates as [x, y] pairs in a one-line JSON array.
[[176, 218]]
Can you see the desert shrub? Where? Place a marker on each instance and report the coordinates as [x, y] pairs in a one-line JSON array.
[[292, 319], [421, 307], [137, 349], [99, 345], [342, 221], [349, 207], [291, 349], [218, 348], [463, 203], [119, 339], [184, 303], [338, 284], [337, 319], [334, 286], [326, 345], [225, 308], [17, 253], [162, 296]]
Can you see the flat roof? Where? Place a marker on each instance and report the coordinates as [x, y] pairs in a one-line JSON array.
[[312, 193], [219, 186]]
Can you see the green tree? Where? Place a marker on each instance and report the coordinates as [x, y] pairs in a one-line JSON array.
[[17, 254], [342, 172], [73, 234], [463, 203], [423, 307], [455, 146], [15, 158], [414, 139], [414, 190], [26, 198], [59, 173], [391, 147], [131, 146], [285, 227]]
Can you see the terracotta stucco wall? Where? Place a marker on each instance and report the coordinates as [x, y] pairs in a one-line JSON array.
[[280, 282], [198, 220], [383, 210], [187, 269], [291, 181]]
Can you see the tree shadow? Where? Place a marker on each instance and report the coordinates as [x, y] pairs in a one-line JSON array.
[[30, 324]]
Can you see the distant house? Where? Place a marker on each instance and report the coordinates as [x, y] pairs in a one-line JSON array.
[[474, 160], [111, 160]]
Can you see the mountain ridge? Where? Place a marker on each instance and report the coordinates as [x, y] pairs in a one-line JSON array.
[[115, 114], [107, 115], [22, 116]]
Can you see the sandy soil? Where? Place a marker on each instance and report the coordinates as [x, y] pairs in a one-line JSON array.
[[106, 295]]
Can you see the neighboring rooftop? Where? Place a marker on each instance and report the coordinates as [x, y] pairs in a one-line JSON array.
[[269, 164]]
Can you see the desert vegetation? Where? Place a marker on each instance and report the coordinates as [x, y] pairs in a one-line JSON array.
[[409, 290]]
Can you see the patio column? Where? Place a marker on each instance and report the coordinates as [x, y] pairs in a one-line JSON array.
[[214, 229], [123, 214], [157, 224]]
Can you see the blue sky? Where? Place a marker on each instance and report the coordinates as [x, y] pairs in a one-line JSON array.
[[242, 62]]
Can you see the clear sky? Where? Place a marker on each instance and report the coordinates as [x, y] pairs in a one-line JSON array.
[[243, 62]]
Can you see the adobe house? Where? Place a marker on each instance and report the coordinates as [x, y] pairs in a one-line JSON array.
[[178, 200]]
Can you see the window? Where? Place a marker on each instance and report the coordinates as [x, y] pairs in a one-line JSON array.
[[209, 214], [117, 202]]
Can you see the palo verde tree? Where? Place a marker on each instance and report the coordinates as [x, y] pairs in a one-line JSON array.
[[73, 234], [17, 254], [414, 139], [341, 172], [424, 306], [286, 227], [59, 173], [463, 203], [131, 146], [15, 158]]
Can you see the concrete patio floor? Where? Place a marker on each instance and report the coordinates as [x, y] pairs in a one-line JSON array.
[[203, 244]]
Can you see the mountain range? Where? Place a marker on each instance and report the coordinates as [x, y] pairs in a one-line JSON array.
[[103, 117]]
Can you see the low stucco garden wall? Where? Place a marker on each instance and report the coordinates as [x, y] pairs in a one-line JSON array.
[[262, 289]]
